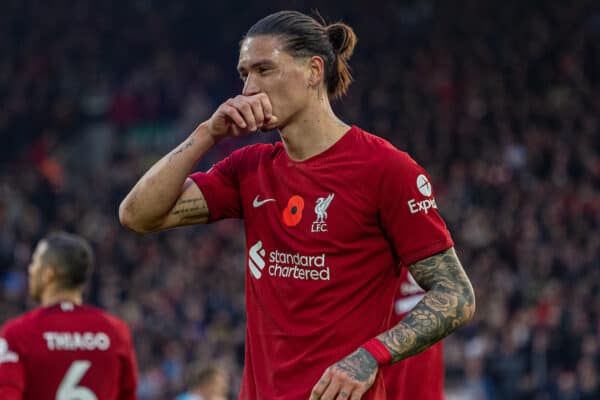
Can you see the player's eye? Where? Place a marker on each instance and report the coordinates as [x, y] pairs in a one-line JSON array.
[[263, 70]]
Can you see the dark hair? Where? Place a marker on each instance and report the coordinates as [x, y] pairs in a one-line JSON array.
[[72, 257], [304, 36]]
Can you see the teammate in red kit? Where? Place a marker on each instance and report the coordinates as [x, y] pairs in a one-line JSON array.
[[329, 213], [64, 350], [420, 377]]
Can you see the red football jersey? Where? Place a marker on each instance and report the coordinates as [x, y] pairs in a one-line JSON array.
[[324, 239], [67, 352], [421, 376]]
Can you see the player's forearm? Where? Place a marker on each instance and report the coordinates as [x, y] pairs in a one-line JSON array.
[[155, 194], [448, 304]]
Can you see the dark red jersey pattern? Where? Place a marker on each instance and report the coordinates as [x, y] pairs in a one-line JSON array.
[[67, 352], [422, 376], [324, 239]]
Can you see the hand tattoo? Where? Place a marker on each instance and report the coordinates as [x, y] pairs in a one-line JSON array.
[[360, 366], [448, 304]]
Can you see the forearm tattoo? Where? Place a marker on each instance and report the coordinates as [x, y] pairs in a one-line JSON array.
[[190, 208], [448, 304], [182, 148]]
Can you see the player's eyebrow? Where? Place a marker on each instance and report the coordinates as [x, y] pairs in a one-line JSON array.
[[260, 63]]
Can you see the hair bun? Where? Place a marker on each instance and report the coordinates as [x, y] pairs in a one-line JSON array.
[[342, 38]]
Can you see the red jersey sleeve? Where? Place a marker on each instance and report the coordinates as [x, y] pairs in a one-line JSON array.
[[12, 373], [408, 211], [221, 189], [129, 378]]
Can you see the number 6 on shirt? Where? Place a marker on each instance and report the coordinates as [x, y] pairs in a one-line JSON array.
[[68, 389]]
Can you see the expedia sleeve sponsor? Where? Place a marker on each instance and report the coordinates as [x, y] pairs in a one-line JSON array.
[[423, 205], [424, 187]]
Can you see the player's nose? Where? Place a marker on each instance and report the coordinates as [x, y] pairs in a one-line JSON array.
[[250, 86]]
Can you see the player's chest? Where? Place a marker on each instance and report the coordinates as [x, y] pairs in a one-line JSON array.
[[313, 208]]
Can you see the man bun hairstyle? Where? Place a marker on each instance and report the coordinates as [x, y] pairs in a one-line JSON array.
[[71, 256], [343, 40], [303, 36]]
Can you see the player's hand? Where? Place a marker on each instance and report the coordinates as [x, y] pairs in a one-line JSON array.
[[347, 379], [241, 115]]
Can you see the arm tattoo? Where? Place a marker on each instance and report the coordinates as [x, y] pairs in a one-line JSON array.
[[360, 366], [448, 304], [190, 208], [181, 148]]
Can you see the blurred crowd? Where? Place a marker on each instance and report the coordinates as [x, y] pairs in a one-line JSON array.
[[499, 101]]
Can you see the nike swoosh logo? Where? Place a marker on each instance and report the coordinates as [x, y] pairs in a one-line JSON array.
[[257, 203]]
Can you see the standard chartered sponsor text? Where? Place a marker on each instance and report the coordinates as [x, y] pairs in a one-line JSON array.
[[298, 266]]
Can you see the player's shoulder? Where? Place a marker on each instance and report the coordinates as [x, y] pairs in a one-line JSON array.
[[38, 316], [255, 151], [251, 156], [108, 319], [22, 323], [381, 152]]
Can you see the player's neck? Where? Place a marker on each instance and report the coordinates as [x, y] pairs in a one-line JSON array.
[[50, 297], [313, 131]]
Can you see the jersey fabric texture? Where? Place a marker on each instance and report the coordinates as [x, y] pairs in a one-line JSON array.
[[66, 352], [324, 239], [420, 376]]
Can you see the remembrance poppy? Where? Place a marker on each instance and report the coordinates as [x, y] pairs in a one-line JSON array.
[[292, 214]]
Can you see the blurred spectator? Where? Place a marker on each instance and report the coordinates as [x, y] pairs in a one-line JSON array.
[[206, 383]]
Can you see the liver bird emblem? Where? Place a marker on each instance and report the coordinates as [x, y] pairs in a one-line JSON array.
[[321, 208]]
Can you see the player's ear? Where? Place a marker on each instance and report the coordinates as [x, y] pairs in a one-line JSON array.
[[49, 274], [316, 67]]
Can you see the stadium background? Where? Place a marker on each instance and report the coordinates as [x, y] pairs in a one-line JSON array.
[[498, 100]]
